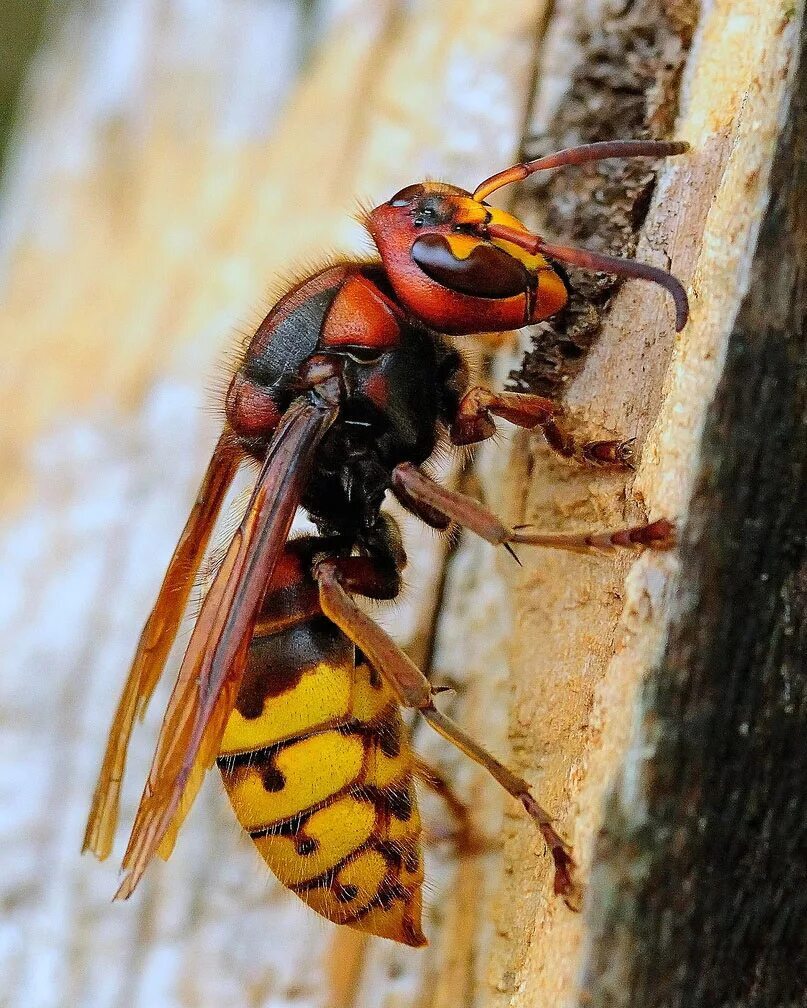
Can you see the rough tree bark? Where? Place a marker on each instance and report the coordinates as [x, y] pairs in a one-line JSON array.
[[589, 635], [703, 857], [147, 202]]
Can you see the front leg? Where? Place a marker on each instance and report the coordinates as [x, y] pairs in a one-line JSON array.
[[473, 422]]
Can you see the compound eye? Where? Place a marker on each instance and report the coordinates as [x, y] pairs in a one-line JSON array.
[[487, 271], [406, 196]]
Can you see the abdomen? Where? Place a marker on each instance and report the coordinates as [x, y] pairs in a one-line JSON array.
[[318, 766]]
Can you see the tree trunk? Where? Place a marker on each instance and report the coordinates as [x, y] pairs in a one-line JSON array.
[[172, 160], [702, 862]]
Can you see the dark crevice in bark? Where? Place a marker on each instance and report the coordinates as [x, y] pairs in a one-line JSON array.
[[700, 884], [625, 87]]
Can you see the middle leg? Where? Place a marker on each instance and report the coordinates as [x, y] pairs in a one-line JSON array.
[[462, 837], [418, 492]]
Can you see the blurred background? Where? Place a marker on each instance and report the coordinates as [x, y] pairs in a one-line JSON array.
[[167, 166]]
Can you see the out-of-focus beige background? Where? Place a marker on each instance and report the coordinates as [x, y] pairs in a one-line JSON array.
[[171, 164]]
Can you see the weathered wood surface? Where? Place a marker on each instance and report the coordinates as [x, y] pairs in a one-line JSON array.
[[589, 633], [157, 187], [704, 854]]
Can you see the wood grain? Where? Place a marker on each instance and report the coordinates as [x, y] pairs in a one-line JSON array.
[[711, 805], [590, 632]]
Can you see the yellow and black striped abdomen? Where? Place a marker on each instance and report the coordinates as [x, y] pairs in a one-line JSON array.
[[318, 766]]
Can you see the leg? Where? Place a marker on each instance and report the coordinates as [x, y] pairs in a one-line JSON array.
[[474, 422], [414, 690], [459, 811], [411, 483], [565, 884]]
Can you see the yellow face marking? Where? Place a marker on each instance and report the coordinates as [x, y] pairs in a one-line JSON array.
[[534, 263], [312, 770], [469, 211], [462, 245], [338, 830], [551, 296], [321, 697]]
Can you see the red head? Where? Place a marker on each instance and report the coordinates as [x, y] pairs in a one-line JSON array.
[[434, 244], [464, 267]]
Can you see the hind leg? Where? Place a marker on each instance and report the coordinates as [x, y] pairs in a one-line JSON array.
[[336, 578], [420, 493]]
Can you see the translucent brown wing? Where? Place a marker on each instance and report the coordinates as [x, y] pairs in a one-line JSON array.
[[156, 641], [213, 665], [211, 670]]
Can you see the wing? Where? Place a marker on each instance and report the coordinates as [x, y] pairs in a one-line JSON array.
[[211, 670], [156, 641]]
